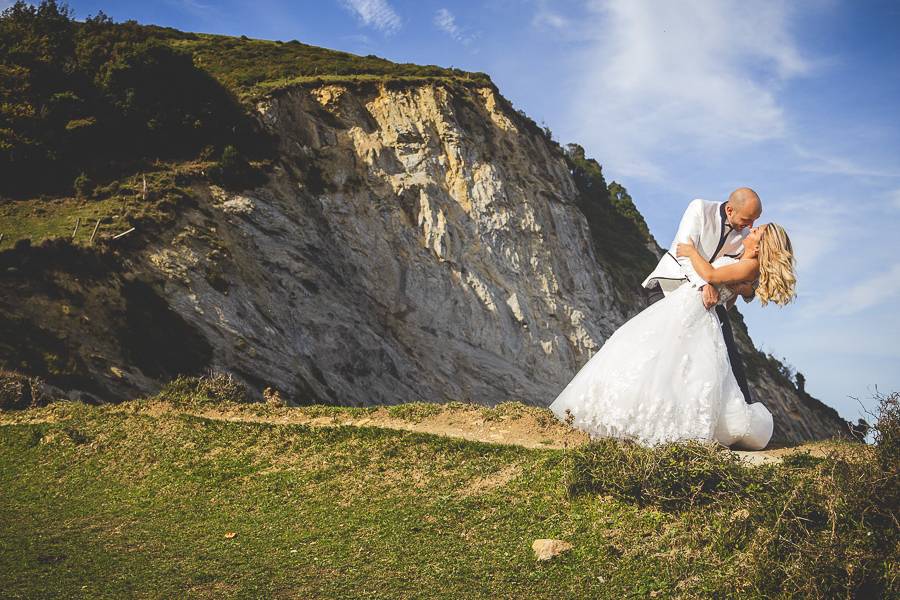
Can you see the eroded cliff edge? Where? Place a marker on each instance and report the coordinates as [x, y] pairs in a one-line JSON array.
[[412, 242]]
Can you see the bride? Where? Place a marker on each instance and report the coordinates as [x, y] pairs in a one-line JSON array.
[[664, 375]]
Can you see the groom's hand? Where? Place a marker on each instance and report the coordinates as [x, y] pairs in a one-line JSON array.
[[710, 296]]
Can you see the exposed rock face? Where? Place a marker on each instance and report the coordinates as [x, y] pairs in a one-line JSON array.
[[413, 246], [413, 243]]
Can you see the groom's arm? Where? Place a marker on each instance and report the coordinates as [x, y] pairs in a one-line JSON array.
[[689, 232]]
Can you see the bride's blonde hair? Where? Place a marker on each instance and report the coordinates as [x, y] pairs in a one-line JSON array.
[[776, 267]]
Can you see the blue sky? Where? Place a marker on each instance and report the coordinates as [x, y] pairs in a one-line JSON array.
[[800, 101]]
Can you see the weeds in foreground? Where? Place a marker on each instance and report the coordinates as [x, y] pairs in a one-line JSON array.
[[811, 527]]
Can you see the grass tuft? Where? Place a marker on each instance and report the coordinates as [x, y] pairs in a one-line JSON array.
[[672, 476], [213, 388]]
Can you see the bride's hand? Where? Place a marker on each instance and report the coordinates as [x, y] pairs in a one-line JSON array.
[[685, 249]]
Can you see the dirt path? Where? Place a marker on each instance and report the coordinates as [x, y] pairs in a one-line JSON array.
[[509, 423]]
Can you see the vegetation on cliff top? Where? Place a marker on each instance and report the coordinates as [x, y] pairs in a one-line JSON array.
[[254, 68], [93, 100], [622, 240]]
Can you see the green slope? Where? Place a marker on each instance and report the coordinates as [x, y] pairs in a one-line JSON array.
[[132, 500]]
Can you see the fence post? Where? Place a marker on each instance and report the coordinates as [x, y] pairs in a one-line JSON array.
[[115, 237], [96, 227]]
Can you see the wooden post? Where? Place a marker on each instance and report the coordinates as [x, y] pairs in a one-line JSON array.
[[1, 238], [96, 227], [115, 237], [144, 191], [77, 223]]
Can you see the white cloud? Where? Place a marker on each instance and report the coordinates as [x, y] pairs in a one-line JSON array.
[[357, 38], [816, 224], [872, 291], [817, 162], [375, 13], [446, 22], [192, 6], [543, 16], [659, 76]]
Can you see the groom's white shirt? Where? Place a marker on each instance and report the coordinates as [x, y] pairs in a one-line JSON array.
[[704, 223]]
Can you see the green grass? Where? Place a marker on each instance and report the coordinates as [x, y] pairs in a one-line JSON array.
[[103, 503], [252, 68], [113, 501], [130, 504], [39, 220], [119, 204]]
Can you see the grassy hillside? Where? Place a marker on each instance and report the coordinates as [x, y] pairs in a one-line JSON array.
[[253, 68], [148, 499], [90, 101]]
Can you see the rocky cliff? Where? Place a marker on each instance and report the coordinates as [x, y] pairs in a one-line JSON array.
[[411, 242]]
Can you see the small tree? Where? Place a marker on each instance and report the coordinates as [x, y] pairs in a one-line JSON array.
[[801, 382], [232, 170], [83, 185]]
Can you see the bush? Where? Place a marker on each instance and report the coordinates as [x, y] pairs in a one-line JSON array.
[[83, 185], [887, 432], [672, 476], [211, 389], [19, 391], [232, 171]]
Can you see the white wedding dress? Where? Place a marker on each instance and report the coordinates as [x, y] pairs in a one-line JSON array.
[[665, 376]]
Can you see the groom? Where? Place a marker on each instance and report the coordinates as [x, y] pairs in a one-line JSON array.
[[716, 229]]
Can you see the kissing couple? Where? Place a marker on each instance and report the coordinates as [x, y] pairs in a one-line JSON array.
[[672, 371]]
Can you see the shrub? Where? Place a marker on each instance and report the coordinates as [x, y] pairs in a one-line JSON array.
[[83, 185], [233, 171], [887, 432], [672, 476], [100, 97], [213, 388], [19, 391]]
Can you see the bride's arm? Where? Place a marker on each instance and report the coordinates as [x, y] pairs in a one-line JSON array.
[[737, 272]]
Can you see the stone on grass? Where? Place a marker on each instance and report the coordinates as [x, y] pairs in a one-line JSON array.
[[546, 549]]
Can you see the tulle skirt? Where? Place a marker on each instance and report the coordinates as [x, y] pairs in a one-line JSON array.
[[665, 376]]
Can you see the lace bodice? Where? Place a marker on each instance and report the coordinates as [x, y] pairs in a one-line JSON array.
[[725, 292]]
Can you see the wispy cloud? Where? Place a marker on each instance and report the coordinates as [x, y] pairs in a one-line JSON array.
[[894, 198], [358, 38], [545, 17], [193, 6], [872, 291], [658, 75], [817, 162], [375, 13], [446, 22], [817, 225]]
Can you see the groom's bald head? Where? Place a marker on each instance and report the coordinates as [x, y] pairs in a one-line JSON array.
[[743, 207]]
